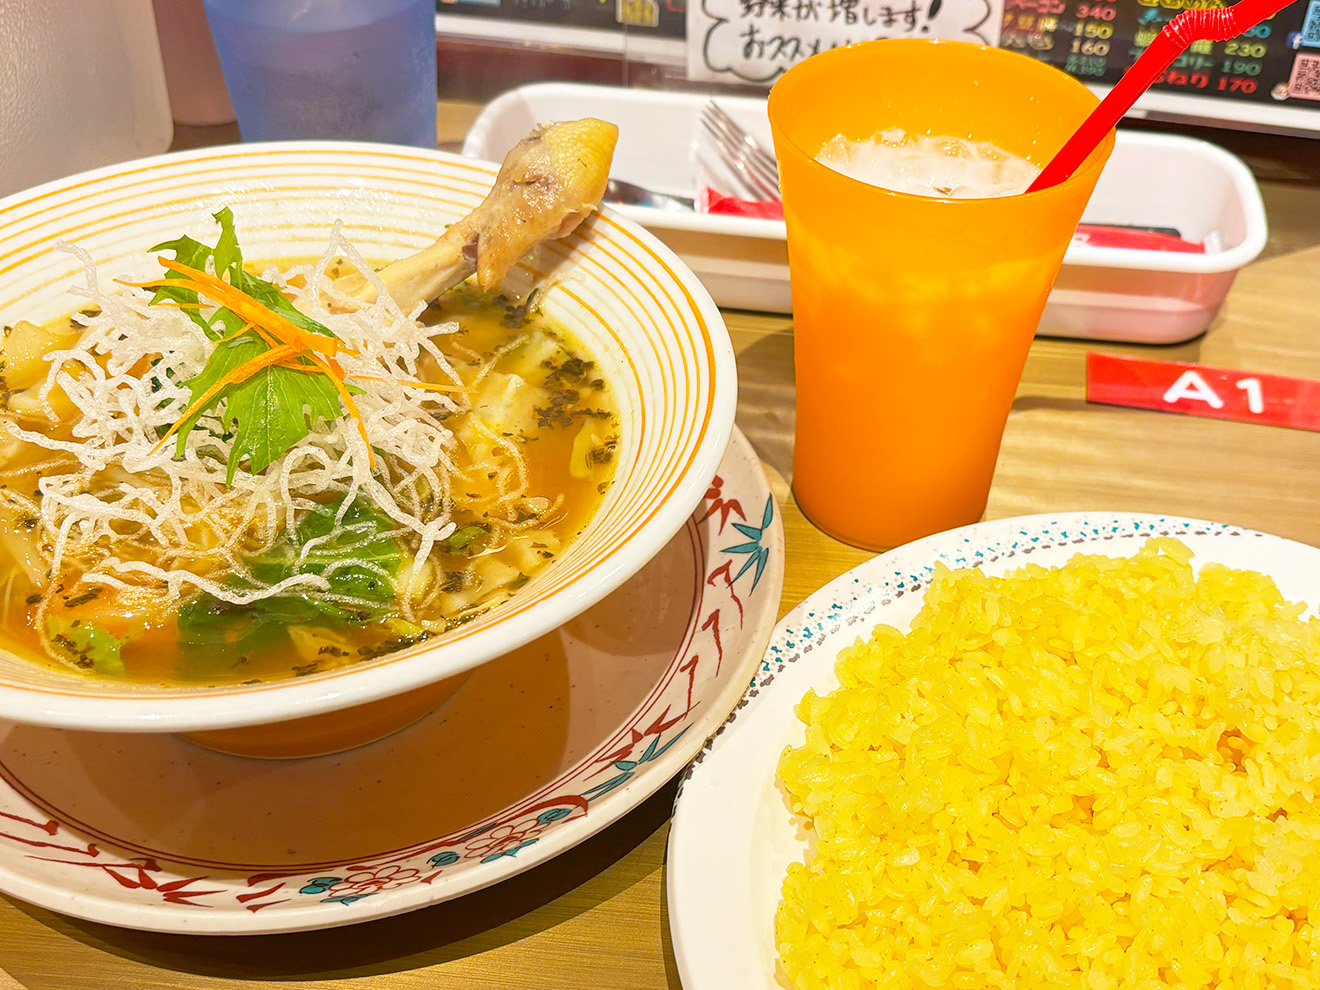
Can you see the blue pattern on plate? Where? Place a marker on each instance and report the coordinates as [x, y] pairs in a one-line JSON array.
[[756, 553]]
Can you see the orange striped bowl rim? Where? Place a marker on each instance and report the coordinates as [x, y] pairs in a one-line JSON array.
[[646, 319]]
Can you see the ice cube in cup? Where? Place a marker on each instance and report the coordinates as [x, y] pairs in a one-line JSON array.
[[930, 165]]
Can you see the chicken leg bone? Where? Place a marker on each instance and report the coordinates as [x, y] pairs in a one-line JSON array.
[[549, 182]]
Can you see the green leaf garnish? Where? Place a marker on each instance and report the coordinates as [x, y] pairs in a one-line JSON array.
[[363, 538], [260, 413], [194, 254], [272, 410], [86, 644], [228, 257], [467, 539]]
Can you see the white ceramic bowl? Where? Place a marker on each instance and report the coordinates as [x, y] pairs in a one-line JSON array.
[[641, 313]]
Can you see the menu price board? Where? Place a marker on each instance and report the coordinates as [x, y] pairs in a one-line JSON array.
[[1267, 77], [1096, 40]]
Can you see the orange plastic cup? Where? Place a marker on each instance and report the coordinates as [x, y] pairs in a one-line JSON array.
[[913, 315]]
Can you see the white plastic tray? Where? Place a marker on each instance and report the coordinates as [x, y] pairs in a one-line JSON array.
[[1102, 293]]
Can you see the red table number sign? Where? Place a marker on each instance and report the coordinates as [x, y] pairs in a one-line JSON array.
[[1197, 390]]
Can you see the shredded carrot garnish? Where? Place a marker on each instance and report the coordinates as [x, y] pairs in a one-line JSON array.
[[347, 399], [239, 302], [430, 386], [244, 306], [290, 345]]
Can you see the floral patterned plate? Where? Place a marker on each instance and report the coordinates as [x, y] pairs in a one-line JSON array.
[[733, 835], [539, 750]]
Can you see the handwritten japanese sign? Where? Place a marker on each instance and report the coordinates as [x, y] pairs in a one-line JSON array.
[[754, 41]]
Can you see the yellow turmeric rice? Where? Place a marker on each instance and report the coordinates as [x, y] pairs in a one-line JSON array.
[[1099, 776]]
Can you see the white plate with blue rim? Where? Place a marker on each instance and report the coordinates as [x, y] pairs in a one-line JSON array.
[[733, 835]]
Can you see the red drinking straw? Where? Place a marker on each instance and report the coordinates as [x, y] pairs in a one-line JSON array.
[[1172, 41]]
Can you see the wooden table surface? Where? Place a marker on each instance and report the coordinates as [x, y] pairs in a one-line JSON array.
[[594, 918]]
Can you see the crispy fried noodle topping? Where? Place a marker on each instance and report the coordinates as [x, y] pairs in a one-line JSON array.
[[118, 508]]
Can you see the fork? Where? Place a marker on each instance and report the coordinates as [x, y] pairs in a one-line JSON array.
[[746, 160]]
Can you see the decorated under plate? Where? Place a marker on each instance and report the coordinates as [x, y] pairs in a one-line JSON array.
[[539, 750], [733, 835]]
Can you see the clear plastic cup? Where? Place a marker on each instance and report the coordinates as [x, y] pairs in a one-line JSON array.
[[81, 85], [333, 69], [913, 315]]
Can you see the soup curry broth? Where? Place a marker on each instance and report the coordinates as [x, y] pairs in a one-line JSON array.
[[529, 431]]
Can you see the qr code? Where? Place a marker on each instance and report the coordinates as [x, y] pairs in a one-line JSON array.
[[1304, 82], [1311, 26]]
